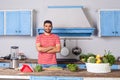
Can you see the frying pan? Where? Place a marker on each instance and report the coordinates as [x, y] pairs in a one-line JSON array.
[[64, 50], [76, 50]]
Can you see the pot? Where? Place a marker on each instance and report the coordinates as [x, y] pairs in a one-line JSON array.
[[76, 50], [64, 50]]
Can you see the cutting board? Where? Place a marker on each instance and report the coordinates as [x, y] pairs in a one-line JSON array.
[[50, 69]]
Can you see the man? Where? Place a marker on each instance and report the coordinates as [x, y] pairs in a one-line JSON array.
[[48, 45]]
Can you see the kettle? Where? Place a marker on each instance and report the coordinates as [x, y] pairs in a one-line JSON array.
[[14, 63]]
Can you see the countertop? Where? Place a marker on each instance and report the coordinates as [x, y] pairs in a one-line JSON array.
[[81, 73], [65, 72], [59, 62]]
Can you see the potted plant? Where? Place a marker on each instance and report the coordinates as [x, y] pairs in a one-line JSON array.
[[98, 64]]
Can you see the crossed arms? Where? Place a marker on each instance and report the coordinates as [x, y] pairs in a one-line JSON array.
[[50, 49]]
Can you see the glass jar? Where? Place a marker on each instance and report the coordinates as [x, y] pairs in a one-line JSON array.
[[14, 52]]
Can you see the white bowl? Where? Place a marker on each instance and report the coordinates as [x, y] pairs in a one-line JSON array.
[[98, 68]]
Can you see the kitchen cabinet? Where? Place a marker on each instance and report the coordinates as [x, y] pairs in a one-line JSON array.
[[99, 78], [54, 78], [109, 22], [82, 66], [62, 65], [1, 22], [4, 65], [31, 64], [18, 23], [115, 66], [69, 78], [42, 78]]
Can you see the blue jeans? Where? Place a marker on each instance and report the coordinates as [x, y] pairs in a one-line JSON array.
[[48, 65]]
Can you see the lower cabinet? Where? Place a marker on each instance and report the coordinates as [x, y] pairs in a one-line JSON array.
[[31, 64], [82, 66], [69, 78], [4, 65], [115, 66], [62, 65], [54, 78], [100, 78], [42, 78]]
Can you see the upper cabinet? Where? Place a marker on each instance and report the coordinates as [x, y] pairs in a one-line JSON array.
[[1, 22], [17, 22], [109, 22]]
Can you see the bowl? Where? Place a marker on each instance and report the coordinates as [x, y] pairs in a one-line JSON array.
[[98, 68]]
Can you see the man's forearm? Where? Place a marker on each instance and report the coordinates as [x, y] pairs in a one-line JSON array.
[[43, 49], [54, 50]]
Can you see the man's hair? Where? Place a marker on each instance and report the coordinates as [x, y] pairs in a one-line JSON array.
[[47, 21]]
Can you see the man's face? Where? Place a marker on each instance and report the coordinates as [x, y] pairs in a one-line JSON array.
[[47, 27]]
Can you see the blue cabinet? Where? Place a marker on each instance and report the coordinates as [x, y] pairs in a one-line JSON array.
[[25, 23], [4, 65], [54, 78], [18, 22], [69, 78], [42, 78], [1, 22], [12, 22], [109, 23], [114, 66], [117, 22], [82, 66], [62, 65]]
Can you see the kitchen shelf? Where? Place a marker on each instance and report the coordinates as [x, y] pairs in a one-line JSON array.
[[70, 32]]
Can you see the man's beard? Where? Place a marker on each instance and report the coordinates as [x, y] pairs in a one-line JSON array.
[[48, 31]]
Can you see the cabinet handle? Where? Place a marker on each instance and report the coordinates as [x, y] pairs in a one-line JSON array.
[[16, 31], [19, 31], [3, 64], [113, 32], [116, 32]]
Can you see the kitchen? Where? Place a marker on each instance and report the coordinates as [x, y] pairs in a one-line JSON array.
[[27, 43]]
